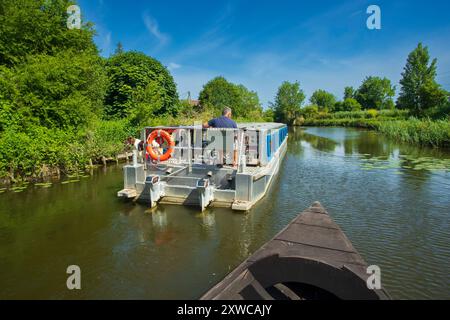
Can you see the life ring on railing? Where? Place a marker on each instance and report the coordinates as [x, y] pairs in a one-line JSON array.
[[167, 137]]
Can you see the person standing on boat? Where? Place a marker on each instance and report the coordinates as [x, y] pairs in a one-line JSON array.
[[222, 122], [225, 122]]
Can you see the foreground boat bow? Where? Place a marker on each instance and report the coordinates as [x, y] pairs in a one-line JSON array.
[[309, 259]]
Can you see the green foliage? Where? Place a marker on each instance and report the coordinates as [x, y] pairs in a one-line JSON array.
[[269, 115], [343, 122], [349, 104], [372, 113], [106, 138], [8, 116], [29, 27], [119, 49], [219, 93], [29, 153], [419, 90], [248, 103], [23, 154], [63, 91], [52, 88], [364, 114], [440, 112], [186, 109], [288, 102], [425, 132], [376, 93], [323, 99], [310, 111], [139, 86], [349, 93]]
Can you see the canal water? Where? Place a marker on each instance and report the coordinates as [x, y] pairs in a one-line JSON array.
[[392, 200]]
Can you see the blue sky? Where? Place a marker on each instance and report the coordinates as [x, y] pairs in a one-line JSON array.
[[322, 44]]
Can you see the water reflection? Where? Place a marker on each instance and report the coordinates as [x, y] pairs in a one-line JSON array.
[[208, 220], [295, 145], [392, 200], [319, 143]]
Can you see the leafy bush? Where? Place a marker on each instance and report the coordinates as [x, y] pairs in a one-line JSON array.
[[350, 104], [426, 132], [28, 153], [372, 113], [310, 111], [139, 85], [106, 138], [343, 122], [59, 91], [25, 153], [381, 114]]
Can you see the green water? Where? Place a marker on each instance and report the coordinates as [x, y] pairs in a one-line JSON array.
[[392, 200]]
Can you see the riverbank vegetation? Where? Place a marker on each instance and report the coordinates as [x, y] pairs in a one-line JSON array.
[[420, 114], [64, 107]]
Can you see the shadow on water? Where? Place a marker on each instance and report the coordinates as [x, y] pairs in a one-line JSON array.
[[391, 199]]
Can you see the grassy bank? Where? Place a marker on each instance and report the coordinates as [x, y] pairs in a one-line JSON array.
[[393, 123], [40, 152], [425, 132], [353, 118]]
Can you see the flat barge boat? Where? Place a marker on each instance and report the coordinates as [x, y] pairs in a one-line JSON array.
[[311, 259], [206, 167]]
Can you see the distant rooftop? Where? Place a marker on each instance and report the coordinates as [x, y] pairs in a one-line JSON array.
[[194, 103]]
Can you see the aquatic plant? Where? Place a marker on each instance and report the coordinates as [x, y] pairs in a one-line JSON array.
[[425, 132]]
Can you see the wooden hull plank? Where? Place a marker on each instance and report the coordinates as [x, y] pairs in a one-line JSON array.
[[311, 258]]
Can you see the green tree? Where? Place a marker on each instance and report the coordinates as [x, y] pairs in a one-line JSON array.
[[139, 84], [323, 99], [119, 49], [288, 102], [269, 115], [351, 104], [29, 27], [348, 104], [310, 111], [376, 93], [349, 92], [249, 105], [219, 93], [65, 90], [419, 91]]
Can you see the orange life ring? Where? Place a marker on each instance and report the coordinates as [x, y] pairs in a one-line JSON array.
[[166, 137]]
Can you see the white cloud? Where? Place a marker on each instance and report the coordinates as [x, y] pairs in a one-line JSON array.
[[104, 40], [107, 40], [264, 72], [313, 64], [152, 26], [173, 66]]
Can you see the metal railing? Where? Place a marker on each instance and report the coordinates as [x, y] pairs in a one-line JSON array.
[[195, 145]]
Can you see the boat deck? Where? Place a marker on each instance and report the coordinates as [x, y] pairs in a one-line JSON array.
[[208, 167], [310, 259]]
